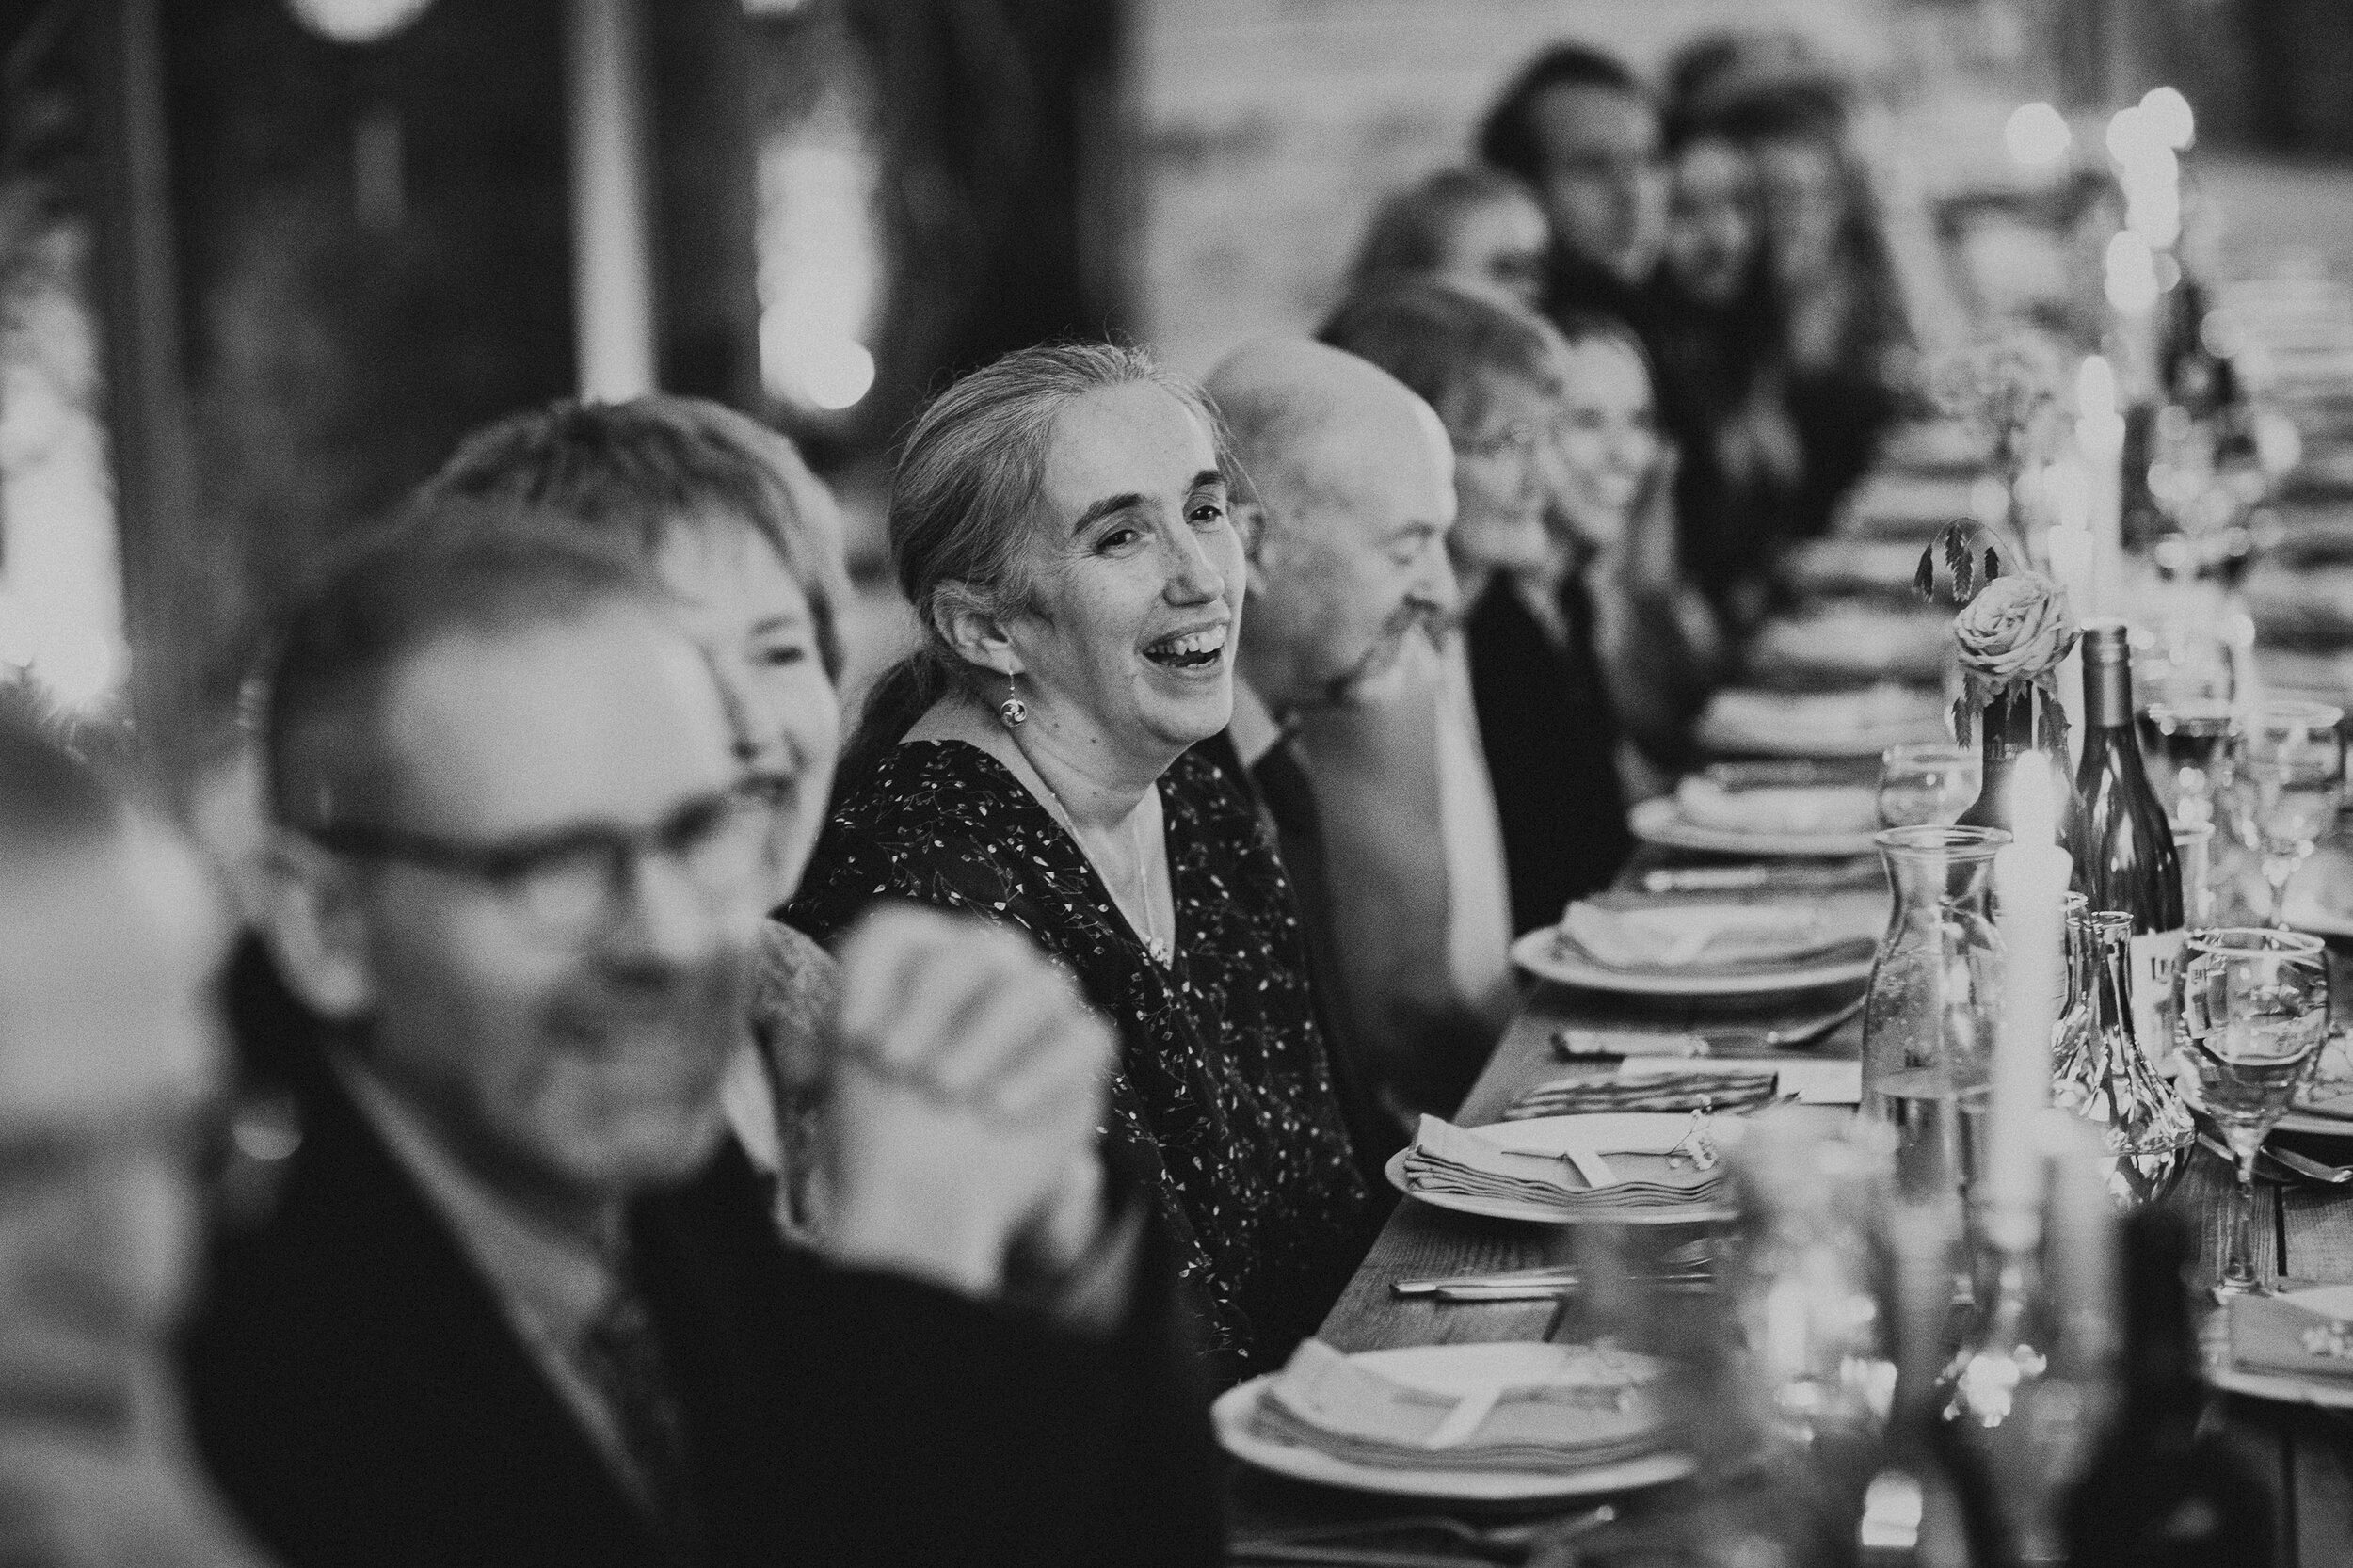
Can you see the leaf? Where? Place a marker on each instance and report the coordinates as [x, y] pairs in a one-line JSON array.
[[1961, 720], [1959, 561], [1992, 563], [1924, 581]]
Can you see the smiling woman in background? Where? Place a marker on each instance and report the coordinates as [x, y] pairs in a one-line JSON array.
[[1059, 523]]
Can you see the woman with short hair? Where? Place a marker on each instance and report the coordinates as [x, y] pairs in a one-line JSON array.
[[1059, 520]]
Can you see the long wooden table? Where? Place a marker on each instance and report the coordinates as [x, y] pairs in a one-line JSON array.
[[2306, 1234]]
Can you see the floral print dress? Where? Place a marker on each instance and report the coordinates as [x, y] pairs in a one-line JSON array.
[[1223, 1103]]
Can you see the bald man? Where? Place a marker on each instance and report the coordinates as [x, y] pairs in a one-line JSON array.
[[1345, 498], [108, 1063]]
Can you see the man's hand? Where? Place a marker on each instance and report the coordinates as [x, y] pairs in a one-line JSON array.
[[968, 1078]]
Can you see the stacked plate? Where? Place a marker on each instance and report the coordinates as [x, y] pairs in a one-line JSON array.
[[1650, 945], [1746, 721], [1622, 1168], [1496, 1423]]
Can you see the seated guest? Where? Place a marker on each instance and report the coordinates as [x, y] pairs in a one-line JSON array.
[[1474, 228], [1575, 614], [749, 543], [1059, 521], [1717, 341], [1843, 333], [518, 1302], [1583, 132], [106, 1065], [1346, 498]]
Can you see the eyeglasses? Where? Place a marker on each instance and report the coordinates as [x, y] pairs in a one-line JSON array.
[[1522, 438], [574, 881]]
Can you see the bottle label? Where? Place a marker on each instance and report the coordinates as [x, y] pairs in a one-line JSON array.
[[2156, 954]]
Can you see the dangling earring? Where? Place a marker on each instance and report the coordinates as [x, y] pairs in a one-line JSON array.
[[1012, 710]]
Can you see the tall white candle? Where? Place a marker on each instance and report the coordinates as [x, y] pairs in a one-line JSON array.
[[2100, 443], [2030, 877]]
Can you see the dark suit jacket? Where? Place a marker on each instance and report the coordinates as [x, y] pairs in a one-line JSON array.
[[361, 1400]]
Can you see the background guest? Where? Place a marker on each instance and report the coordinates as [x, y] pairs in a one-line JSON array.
[[748, 542], [1469, 227], [1843, 336], [1562, 548], [1723, 386], [519, 1302], [1061, 522], [1583, 132], [107, 1065], [1345, 499]]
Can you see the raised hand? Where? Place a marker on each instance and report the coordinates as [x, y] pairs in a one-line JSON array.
[[967, 1082]]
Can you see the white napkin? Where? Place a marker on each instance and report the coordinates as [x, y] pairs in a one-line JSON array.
[[1777, 809], [1628, 934], [1786, 723], [1594, 1408], [1530, 1161]]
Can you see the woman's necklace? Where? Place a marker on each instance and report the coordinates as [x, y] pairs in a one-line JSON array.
[[1153, 947]]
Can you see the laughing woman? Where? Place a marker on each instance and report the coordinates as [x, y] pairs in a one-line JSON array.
[[1059, 523]]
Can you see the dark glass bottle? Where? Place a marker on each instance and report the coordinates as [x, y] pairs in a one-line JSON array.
[[2008, 730], [2163, 1494], [2125, 857]]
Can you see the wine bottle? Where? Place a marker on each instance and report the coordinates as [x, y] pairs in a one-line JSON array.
[[2161, 1493], [2010, 729], [2125, 857]]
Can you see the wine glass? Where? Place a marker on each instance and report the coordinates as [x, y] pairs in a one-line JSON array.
[[1927, 784], [2293, 760], [2254, 1012], [2188, 746]]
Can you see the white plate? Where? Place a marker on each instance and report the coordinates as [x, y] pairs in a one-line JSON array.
[[1544, 1214], [2326, 1393], [1540, 953], [1659, 820], [1444, 1368]]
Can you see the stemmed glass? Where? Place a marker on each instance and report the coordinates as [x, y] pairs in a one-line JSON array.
[[1927, 784], [2254, 1012], [2293, 760], [2188, 746]]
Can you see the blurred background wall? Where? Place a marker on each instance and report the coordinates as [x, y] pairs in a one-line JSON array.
[[356, 250]]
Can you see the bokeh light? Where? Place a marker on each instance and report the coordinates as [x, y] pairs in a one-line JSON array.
[[2168, 116], [2037, 135]]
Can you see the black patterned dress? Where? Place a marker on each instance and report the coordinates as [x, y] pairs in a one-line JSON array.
[[1223, 1103]]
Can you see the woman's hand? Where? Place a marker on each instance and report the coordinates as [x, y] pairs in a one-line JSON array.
[[967, 1078]]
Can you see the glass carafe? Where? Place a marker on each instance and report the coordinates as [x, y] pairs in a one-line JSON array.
[[1928, 1027], [2141, 1117]]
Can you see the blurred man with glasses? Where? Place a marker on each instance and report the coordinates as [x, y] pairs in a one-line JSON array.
[[521, 1302]]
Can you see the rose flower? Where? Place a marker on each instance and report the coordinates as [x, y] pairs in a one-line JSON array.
[[2017, 628]]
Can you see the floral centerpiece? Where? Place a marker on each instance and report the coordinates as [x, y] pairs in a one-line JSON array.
[[2012, 629], [2012, 389]]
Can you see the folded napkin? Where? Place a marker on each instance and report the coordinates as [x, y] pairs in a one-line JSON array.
[[1597, 1409], [1704, 802], [1858, 639], [1805, 724], [2278, 1334], [1717, 1088], [1568, 1176], [1628, 931]]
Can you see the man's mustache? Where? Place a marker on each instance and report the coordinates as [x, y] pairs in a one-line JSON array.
[[1413, 617]]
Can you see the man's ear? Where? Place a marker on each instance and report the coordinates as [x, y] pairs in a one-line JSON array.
[[316, 926], [968, 621], [1252, 523]]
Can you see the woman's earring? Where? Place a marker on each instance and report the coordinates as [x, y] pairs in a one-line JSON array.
[[1013, 710]]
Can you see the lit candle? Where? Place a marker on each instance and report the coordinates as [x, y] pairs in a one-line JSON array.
[[2100, 440], [2030, 877], [2068, 548]]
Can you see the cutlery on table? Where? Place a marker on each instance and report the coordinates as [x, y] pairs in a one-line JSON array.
[[1676, 1260], [1802, 1032], [2295, 1165]]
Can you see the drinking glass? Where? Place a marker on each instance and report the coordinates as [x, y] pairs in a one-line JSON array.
[[2292, 760], [2189, 746], [2254, 1012], [1927, 784]]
